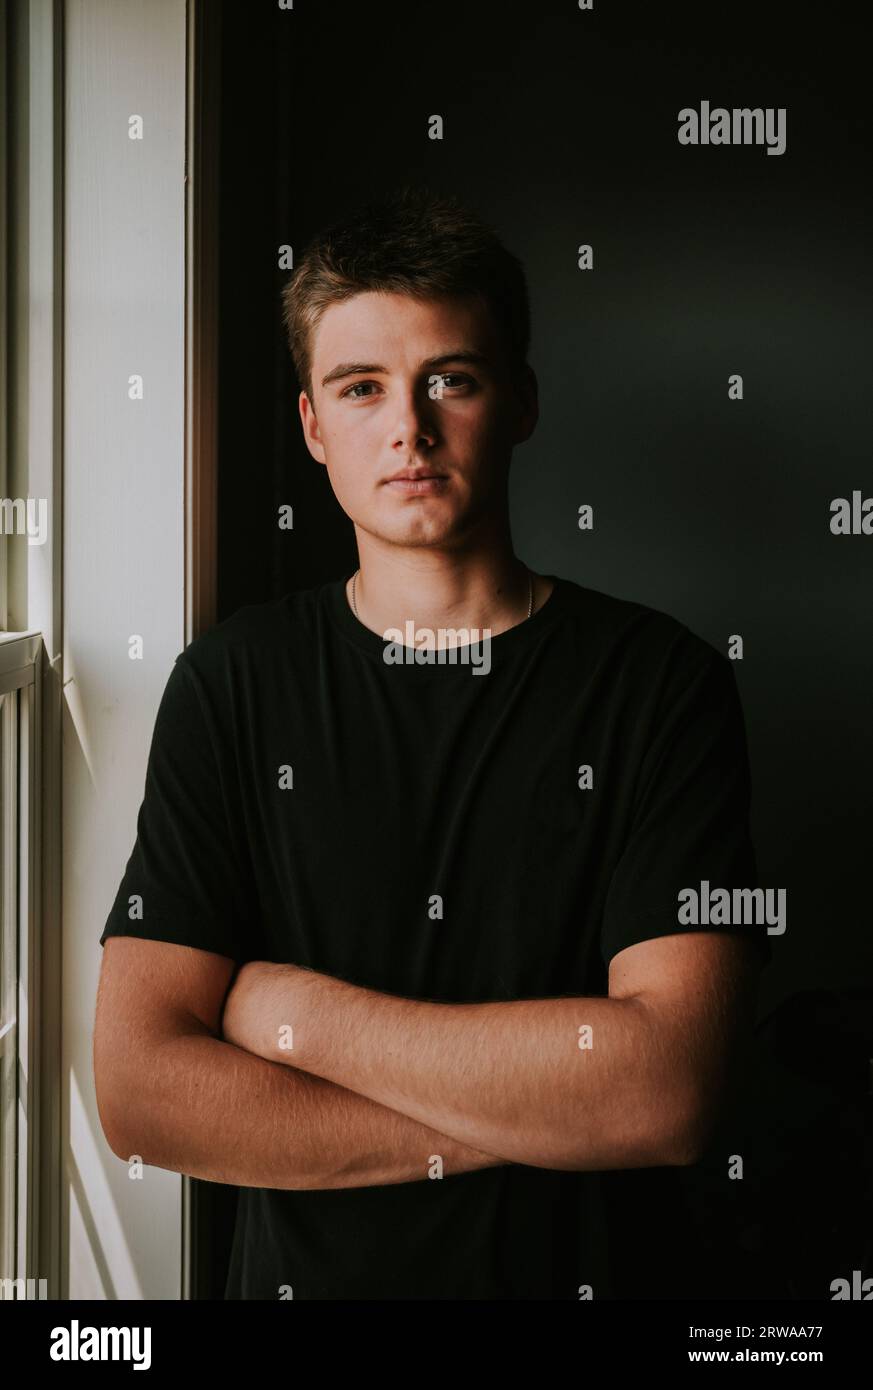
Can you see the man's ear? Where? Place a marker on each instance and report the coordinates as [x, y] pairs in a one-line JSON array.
[[527, 392], [311, 432]]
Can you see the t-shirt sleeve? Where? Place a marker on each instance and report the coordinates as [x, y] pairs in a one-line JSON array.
[[690, 821], [184, 881]]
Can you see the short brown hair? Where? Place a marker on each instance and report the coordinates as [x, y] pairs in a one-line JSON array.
[[411, 241]]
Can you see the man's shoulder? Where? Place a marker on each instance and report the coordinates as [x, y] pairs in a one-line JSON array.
[[637, 634], [256, 632]]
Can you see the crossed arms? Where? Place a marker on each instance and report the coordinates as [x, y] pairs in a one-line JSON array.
[[373, 1086]]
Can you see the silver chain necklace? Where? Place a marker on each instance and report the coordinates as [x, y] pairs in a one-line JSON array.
[[529, 595]]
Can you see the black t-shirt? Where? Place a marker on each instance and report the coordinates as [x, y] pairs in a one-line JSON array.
[[409, 780]]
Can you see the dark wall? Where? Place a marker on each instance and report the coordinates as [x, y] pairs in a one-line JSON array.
[[561, 128]]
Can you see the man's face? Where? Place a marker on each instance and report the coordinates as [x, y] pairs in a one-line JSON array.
[[404, 386]]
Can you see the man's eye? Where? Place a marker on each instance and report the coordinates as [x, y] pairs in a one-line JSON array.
[[448, 381], [354, 387], [447, 378]]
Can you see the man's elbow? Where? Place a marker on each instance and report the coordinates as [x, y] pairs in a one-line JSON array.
[[685, 1155], [673, 1137], [120, 1091], [126, 1126], [683, 1142], [112, 1113]]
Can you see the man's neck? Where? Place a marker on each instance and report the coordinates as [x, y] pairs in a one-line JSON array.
[[439, 591]]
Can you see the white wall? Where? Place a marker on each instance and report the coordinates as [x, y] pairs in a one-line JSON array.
[[123, 540]]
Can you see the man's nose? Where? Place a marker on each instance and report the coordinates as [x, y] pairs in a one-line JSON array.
[[414, 421]]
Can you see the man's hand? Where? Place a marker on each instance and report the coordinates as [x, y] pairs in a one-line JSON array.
[[250, 1020]]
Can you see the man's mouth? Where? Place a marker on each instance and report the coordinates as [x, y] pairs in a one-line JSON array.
[[417, 480]]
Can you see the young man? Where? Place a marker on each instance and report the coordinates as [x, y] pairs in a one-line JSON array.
[[435, 825]]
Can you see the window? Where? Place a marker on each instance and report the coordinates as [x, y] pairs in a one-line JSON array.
[[19, 964], [31, 281]]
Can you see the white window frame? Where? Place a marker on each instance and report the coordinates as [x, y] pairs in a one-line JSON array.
[[31, 278], [21, 1073], [32, 335]]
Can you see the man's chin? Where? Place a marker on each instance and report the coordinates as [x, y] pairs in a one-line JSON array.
[[419, 531]]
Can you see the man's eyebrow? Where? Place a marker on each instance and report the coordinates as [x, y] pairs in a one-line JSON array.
[[344, 369]]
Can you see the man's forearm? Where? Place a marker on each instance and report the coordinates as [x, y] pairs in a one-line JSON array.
[[510, 1078], [198, 1105]]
